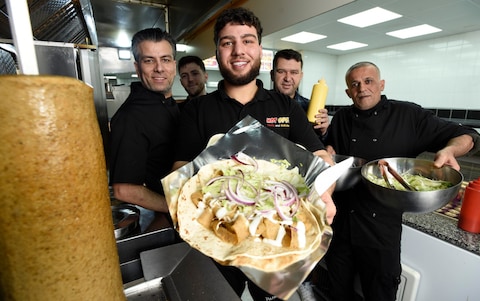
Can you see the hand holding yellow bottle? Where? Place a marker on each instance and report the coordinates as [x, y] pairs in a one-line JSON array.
[[317, 100]]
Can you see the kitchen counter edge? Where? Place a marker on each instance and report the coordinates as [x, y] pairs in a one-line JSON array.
[[443, 228]]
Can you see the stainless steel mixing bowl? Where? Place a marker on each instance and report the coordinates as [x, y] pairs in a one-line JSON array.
[[352, 176], [413, 201]]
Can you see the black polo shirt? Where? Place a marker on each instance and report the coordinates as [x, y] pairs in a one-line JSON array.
[[215, 113], [141, 138]]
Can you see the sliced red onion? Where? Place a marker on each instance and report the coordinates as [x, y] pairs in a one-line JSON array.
[[290, 186], [284, 194], [244, 159], [243, 183], [240, 199], [278, 207], [290, 192], [212, 180]]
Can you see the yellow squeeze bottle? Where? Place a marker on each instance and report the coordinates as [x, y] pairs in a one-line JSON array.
[[317, 100]]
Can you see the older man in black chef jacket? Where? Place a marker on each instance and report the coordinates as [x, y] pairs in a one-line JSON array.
[[367, 234]]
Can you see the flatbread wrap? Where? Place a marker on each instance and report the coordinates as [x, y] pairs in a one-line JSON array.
[[247, 212]]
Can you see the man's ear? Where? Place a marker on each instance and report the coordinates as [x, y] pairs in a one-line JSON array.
[[272, 75], [348, 93], [137, 71]]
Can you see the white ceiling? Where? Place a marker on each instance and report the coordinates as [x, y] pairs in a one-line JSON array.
[[281, 18], [452, 16]]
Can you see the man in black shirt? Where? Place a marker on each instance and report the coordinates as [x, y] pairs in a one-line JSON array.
[[193, 77], [143, 128], [367, 235], [286, 75], [237, 36]]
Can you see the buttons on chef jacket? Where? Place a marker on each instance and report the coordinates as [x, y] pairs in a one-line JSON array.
[[374, 140]]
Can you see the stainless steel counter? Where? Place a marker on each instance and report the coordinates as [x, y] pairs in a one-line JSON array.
[[178, 272], [157, 265]]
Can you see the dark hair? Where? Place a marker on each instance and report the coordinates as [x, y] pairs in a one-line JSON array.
[[288, 54], [191, 59], [358, 65], [238, 16], [151, 34]]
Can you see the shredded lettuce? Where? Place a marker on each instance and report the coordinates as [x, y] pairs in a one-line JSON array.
[[419, 182], [258, 178]]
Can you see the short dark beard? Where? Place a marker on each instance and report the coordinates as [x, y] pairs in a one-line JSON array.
[[234, 80]]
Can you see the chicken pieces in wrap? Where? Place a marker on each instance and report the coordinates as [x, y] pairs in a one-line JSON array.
[[248, 212]]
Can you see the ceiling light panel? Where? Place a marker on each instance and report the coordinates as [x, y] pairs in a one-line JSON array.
[[415, 31], [347, 45], [370, 17], [303, 37]]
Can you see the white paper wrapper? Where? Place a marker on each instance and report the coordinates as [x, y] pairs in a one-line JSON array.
[[252, 138]]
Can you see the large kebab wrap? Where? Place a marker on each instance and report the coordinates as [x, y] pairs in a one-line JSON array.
[[277, 267]]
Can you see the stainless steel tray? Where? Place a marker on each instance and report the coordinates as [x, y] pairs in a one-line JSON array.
[[146, 291], [125, 219], [177, 273]]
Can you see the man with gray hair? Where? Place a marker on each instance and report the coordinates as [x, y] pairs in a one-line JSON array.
[[367, 234], [143, 128]]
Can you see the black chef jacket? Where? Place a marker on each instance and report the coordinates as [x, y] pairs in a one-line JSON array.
[[390, 129]]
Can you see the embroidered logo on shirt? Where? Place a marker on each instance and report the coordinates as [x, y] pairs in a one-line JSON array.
[[278, 122]]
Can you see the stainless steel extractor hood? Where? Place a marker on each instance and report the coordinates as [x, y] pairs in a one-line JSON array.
[[99, 22]]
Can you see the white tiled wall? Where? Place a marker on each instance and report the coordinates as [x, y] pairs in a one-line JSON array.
[[436, 73], [317, 66]]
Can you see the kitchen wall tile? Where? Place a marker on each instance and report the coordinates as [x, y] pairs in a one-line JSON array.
[[473, 114], [459, 114], [444, 113]]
